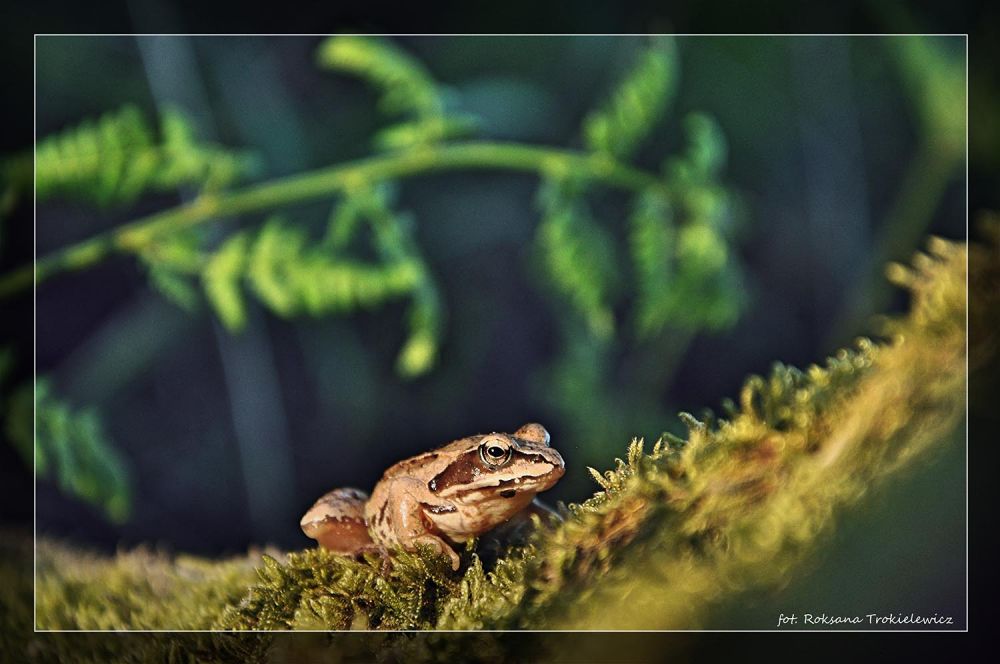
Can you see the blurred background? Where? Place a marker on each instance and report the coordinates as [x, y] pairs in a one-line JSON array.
[[842, 155]]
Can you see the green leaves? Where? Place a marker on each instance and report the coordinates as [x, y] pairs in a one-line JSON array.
[[679, 229], [678, 232], [170, 261], [293, 274], [71, 447], [687, 276], [406, 86], [638, 103], [653, 243], [577, 254], [292, 278], [221, 280], [935, 78], [115, 159]]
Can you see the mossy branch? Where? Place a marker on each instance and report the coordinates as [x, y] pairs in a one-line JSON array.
[[736, 504]]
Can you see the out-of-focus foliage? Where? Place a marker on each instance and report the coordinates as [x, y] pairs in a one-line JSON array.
[[293, 274], [118, 157], [578, 255], [935, 79], [69, 446], [693, 255], [637, 105], [685, 275], [735, 504], [676, 269], [292, 278], [407, 89]]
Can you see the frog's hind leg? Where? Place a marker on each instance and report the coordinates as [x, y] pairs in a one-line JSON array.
[[337, 522]]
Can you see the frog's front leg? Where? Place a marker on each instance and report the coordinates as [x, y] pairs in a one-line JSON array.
[[401, 518]]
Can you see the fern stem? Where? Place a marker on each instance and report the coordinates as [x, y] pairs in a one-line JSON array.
[[328, 181]]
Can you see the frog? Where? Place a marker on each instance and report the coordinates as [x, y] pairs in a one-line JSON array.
[[441, 498]]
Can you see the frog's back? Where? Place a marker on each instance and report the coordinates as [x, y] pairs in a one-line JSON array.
[[428, 462]]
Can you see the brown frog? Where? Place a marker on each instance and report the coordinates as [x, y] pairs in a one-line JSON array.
[[441, 498]]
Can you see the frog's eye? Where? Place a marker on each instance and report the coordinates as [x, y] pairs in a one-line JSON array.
[[494, 453]]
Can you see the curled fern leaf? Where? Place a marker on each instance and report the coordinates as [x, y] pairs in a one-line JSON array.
[[117, 158], [688, 276], [653, 240], [292, 275], [706, 291], [171, 261], [221, 279], [706, 150], [394, 241], [419, 352], [405, 84], [406, 87], [638, 103], [70, 446], [577, 254]]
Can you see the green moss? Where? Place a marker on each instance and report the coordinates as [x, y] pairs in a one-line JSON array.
[[673, 532], [139, 589]]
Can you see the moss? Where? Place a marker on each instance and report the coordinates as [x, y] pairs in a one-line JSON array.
[[139, 589], [736, 504]]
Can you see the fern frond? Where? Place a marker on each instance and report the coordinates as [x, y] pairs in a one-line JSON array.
[[221, 280], [405, 84], [425, 131], [292, 275], [637, 104], [694, 175], [424, 320], [71, 446], [687, 274], [653, 243], [174, 287], [935, 78], [394, 241], [577, 254], [407, 88], [706, 152], [171, 262], [115, 159]]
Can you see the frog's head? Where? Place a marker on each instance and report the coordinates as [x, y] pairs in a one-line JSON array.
[[498, 472]]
